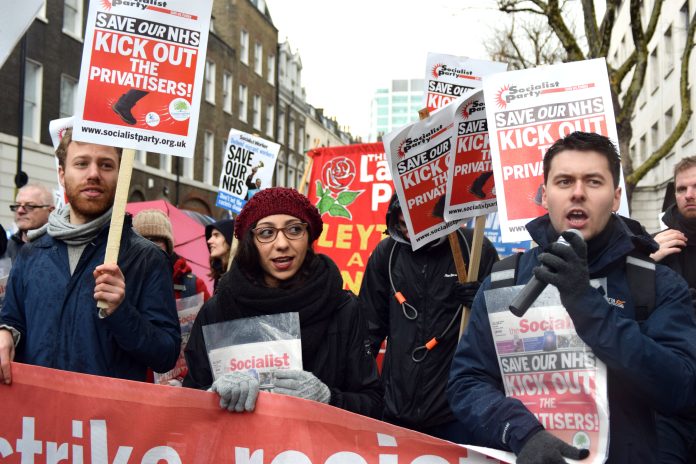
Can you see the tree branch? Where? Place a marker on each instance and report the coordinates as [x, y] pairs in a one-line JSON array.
[[555, 19], [686, 112], [628, 103], [604, 37], [591, 32]]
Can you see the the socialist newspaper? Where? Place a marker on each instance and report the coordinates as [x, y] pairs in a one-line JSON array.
[[527, 111], [545, 365], [187, 310], [256, 345]]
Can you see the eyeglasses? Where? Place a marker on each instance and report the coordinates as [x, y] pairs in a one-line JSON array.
[[292, 232], [27, 208]]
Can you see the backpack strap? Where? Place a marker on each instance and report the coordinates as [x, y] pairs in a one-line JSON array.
[[504, 272], [640, 273]]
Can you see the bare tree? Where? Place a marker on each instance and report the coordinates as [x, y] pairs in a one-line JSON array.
[[627, 78], [525, 43]]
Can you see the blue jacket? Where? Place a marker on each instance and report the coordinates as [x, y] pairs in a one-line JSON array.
[[58, 320], [651, 366]]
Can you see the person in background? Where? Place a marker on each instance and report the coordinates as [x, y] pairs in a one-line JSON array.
[[218, 236], [33, 204], [50, 316], [414, 377], [276, 271], [677, 434], [155, 226]]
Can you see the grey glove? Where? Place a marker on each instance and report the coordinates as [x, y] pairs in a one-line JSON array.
[[544, 448], [301, 384], [565, 267], [238, 391], [464, 293]]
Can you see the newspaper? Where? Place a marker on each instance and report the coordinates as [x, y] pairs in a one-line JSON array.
[[187, 310], [545, 365]]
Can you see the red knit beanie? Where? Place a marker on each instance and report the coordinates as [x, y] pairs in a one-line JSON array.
[[278, 200]]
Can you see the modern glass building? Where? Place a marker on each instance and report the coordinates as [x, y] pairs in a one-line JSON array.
[[396, 106]]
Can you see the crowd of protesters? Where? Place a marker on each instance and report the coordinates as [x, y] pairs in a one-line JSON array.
[[450, 389]]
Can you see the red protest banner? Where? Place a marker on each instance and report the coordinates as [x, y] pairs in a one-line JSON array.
[[351, 186], [55, 416]]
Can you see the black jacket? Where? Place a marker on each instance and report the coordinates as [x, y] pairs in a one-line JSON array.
[[684, 262], [415, 391], [344, 361]]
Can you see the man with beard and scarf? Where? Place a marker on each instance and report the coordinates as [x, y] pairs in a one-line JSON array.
[[651, 363], [677, 434], [50, 316], [414, 377], [276, 271]]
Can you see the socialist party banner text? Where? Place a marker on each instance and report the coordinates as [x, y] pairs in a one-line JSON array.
[[527, 112], [142, 73], [351, 187], [56, 416]]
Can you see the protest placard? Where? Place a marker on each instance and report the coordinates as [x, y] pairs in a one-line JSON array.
[[247, 167], [142, 74], [529, 110], [351, 186], [546, 365], [418, 157], [91, 419], [470, 188], [449, 77], [14, 22]]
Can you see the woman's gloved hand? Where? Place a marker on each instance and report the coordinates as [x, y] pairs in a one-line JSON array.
[[301, 384], [544, 448], [238, 391]]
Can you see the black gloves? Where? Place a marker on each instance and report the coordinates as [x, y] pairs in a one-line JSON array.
[[693, 297], [565, 267], [544, 448], [464, 293]]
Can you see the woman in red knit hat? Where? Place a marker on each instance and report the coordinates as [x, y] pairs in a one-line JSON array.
[[276, 271]]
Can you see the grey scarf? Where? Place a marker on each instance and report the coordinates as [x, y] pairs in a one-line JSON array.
[[60, 228]]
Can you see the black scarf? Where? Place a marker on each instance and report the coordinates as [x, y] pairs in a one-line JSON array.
[[316, 301], [675, 220]]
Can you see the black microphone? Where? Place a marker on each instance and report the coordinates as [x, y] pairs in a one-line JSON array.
[[534, 287]]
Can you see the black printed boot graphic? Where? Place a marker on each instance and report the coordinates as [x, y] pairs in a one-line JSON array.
[[477, 186], [125, 104]]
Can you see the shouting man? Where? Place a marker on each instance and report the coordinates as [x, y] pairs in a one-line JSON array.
[[50, 316]]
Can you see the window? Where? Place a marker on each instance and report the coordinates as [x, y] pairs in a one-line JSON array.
[[140, 156], [281, 127], [655, 136], [300, 140], [669, 121], [270, 69], [654, 65], [382, 111], [208, 157], [256, 112], [165, 163], [643, 147], [684, 16], [269, 120], [32, 100], [291, 177], [283, 65], [227, 92], [243, 103], [258, 58], [68, 95], [188, 168], [280, 172], [669, 51], [210, 82], [72, 18], [399, 99], [244, 46], [291, 134], [400, 85]]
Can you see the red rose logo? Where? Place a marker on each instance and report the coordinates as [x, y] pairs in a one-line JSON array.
[[338, 174]]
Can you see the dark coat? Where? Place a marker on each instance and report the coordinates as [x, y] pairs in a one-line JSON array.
[[415, 391], [57, 315], [344, 362], [651, 366]]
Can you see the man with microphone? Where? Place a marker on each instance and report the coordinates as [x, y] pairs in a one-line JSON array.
[[651, 362]]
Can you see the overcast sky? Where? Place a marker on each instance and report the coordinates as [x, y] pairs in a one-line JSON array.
[[350, 48]]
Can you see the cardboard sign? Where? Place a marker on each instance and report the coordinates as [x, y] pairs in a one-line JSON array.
[[142, 74], [91, 419], [418, 158], [470, 186], [449, 77], [351, 186], [248, 166], [527, 112]]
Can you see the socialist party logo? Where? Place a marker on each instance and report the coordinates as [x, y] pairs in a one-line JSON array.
[[334, 195]]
